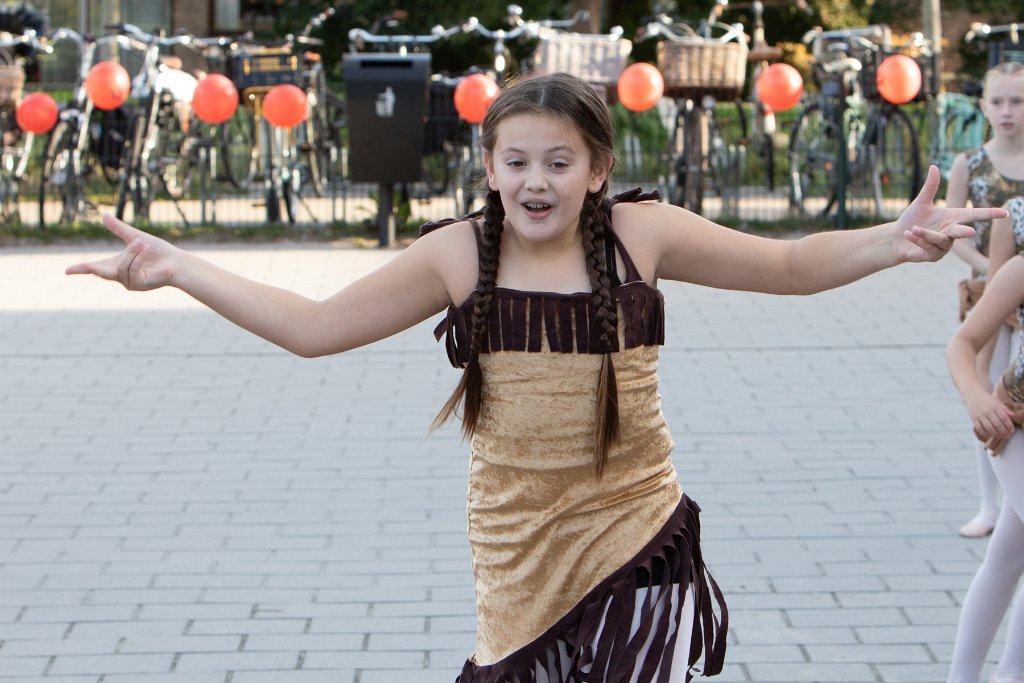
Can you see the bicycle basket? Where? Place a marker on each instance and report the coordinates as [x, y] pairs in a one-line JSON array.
[[695, 68], [597, 59], [264, 69], [12, 80]]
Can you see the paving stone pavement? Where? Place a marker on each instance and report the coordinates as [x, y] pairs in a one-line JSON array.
[[180, 501]]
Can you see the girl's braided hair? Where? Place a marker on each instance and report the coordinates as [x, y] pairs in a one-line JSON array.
[[578, 106]]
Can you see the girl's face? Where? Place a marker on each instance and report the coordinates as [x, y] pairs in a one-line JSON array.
[[1003, 104], [543, 170]]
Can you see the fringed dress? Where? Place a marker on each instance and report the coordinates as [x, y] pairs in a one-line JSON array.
[[579, 578]]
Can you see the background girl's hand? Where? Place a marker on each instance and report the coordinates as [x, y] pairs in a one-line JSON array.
[[147, 262], [928, 230]]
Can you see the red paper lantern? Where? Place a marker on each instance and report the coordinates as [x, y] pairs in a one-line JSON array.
[[780, 86], [215, 99], [898, 78], [473, 95], [640, 86], [284, 106], [108, 85], [37, 113]]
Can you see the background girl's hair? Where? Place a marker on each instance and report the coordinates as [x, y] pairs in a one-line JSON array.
[[1003, 69], [580, 108]]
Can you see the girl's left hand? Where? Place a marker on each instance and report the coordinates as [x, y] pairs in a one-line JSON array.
[[928, 230]]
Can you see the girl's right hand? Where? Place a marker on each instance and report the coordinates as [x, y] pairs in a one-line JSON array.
[[147, 262], [993, 420]]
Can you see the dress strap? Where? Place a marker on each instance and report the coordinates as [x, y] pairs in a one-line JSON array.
[[632, 273]]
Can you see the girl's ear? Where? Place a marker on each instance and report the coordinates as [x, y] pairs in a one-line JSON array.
[[492, 182], [599, 175]]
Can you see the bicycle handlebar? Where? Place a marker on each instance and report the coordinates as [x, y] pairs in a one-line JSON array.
[[29, 37], [982, 31], [683, 33]]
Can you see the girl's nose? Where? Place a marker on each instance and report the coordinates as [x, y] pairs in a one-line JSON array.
[[536, 181]]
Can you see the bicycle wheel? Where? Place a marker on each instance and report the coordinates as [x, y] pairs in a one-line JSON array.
[[135, 187], [692, 181], [763, 142], [236, 147], [61, 194], [898, 167], [673, 158], [291, 186], [9, 212], [726, 149], [862, 185], [173, 154], [812, 160]]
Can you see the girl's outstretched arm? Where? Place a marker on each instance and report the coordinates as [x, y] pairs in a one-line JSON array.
[[1003, 293], [683, 246], [408, 289]]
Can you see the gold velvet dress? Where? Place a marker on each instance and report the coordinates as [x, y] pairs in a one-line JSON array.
[[560, 558]]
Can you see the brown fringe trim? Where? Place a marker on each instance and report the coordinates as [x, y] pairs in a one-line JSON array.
[[673, 556], [569, 323]]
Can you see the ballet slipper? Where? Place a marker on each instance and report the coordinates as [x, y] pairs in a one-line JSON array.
[[977, 529]]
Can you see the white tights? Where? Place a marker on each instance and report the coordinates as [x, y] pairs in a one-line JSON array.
[[988, 509], [992, 588]]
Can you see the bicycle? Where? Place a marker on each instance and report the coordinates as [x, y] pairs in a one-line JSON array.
[[15, 148], [78, 143], [700, 66], [842, 147], [153, 153], [761, 129]]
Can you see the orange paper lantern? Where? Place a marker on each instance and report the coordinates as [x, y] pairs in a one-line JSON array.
[[284, 106], [37, 113], [108, 85], [473, 95], [780, 86], [215, 99], [640, 86], [898, 78]]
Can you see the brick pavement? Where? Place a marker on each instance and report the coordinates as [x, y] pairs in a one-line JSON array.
[[180, 501]]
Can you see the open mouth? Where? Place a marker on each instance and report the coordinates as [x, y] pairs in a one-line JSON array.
[[536, 206]]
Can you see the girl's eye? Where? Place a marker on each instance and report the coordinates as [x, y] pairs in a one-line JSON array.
[[560, 165], [516, 163]]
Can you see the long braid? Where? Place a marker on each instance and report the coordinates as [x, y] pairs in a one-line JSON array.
[[469, 392], [593, 225]]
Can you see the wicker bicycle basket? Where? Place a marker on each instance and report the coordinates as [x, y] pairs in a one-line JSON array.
[[596, 58], [264, 69], [695, 68], [12, 81]]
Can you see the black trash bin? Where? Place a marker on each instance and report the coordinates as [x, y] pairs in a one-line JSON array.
[[386, 96]]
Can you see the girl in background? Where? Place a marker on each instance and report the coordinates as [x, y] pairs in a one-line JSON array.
[[989, 176]]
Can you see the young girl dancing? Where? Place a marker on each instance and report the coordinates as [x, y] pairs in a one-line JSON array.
[[586, 552], [989, 176], [995, 415]]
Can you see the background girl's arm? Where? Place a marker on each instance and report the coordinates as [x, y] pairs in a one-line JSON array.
[[1003, 293], [956, 197], [679, 245], [408, 289]]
